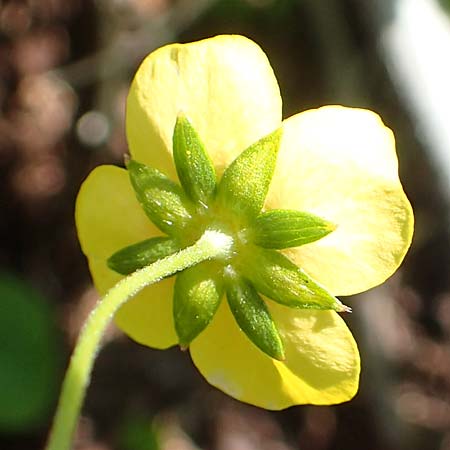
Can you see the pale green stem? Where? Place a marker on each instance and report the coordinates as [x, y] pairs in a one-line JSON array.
[[211, 245]]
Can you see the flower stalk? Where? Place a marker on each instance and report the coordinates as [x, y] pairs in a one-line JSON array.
[[212, 244]]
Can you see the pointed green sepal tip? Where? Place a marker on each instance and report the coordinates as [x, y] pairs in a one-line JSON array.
[[245, 183], [344, 308], [136, 256], [194, 167], [278, 278], [164, 202], [280, 229], [197, 295], [253, 316]]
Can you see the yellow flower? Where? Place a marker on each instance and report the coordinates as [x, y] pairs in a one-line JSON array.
[[335, 162]]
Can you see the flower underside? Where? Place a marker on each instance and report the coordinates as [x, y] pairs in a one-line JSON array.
[[232, 206]]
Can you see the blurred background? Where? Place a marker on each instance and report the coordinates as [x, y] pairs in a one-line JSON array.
[[65, 68]]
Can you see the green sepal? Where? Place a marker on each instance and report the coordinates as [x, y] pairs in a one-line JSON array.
[[245, 183], [283, 228], [194, 167], [197, 294], [135, 256], [164, 201], [253, 316], [278, 278]]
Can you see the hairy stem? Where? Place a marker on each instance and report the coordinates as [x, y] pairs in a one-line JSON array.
[[211, 245]]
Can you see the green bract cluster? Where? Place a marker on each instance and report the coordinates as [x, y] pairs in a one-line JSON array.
[[233, 206]]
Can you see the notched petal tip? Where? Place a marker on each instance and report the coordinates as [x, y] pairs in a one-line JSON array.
[[173, 79], [321, 365]]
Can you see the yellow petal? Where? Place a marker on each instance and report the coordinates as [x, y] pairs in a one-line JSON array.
[[341, 164], [224, 85], [321, 365], [109, 218]]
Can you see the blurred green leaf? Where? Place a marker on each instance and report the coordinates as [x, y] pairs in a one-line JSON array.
[[445, 4], [29, 356], [138, 433]]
